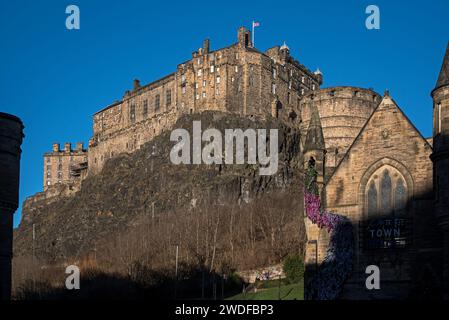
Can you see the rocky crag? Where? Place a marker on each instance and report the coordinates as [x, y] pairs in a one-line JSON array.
[[132, 186]]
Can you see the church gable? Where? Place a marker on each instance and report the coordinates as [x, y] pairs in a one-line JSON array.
[[389, 155]]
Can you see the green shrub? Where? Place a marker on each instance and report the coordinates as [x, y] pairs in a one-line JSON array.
[[294, 269]]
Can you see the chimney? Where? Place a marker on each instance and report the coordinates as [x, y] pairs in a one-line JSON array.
[[67, 147], [206, 44], [55, 147], [136, 84], [244, 37], [79, 146]]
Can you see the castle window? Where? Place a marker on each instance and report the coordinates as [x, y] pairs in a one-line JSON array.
[[168, 97], [200, 72], [302, 91], [217, 92], [251, 81], [196, 85], [237, 55], [218, 79], [204, 83], [274, 72], [290, 84], [302, 79], [204, 94], [145, 108], [313, 86], [48, 182], [197, 96], [183, 78], [288, 97], [132, 113], [198, 60], [157, 102], [273, 88], [59, 175], [236, 68], [212, 69], [48, 174]]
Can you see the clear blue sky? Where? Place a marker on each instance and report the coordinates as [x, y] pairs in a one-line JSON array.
[[55, 79]]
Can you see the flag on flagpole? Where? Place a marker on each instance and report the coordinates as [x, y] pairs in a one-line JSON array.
[[255, 24]]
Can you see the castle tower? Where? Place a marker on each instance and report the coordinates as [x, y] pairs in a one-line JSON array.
[[440, 158], [11, 136]]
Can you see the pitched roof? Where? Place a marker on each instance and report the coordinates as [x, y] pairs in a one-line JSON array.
[[443, 78], [385, 99], [314, 136]]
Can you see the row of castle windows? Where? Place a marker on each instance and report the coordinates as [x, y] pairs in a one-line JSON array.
[[157, 105]]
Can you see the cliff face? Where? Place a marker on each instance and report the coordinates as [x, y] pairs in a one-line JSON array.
[[145, 183]]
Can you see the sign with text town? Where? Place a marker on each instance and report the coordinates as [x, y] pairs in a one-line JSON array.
[[385, 233]]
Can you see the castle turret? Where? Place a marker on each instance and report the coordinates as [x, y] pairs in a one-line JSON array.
[[314, 148], [440, 158]]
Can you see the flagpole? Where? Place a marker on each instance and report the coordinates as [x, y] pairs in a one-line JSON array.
[[253, 34]]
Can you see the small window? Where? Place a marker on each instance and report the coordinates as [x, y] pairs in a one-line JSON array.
[[145, 108], [288, 97], [204, 94], [48, 182], [273, 88], [183, 78], [197, 96], [218, 79], [157, 102], [204, 83], [132, 113], [217, 91], [196, 85], [236, 69], [274, 72], [168, 97], [59, 175], [212, 69], [302, 79], [200, 72]]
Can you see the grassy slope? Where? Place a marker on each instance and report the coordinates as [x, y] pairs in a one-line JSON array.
[[288, 292]]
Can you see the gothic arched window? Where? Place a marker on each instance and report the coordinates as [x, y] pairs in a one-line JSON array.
[[386, 192], [372, 199], [400, 196]]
